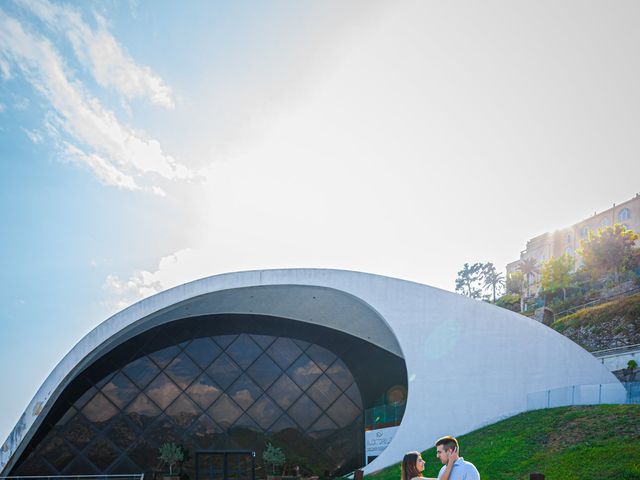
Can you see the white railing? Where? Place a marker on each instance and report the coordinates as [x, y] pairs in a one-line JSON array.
[[604, 393]]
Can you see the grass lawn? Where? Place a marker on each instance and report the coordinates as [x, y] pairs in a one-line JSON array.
[[568, 443]]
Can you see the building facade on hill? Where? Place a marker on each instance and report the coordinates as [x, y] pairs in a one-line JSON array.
[[567, 240], [337, 368]]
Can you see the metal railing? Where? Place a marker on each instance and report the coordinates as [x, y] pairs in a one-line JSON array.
[[597, 394], [593, 303], [616, 350]]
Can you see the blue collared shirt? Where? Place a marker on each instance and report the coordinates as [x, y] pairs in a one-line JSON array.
[[461, 470]]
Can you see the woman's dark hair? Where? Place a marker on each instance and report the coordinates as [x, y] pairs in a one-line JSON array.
[[409, 469]]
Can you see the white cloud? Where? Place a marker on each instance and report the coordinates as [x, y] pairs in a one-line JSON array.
[[34, 136], [117, 154], [110, 64]]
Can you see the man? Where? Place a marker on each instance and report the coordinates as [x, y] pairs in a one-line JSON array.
[[462, 470]]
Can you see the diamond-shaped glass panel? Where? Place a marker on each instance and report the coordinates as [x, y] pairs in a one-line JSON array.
[[164, 356], [224, 371], [224, 340], [339, 373], [122, 433], [57, 453], [324, 392], [265, 412], [144, 453], [204, 391], [141, 371], [322, 427], [80, 466], [284, 423], [224, 412], [343, 411], [353, 392], [244, 392], [263, 340], [84, 398], [284, 352], [264, 371], [304, 412], [244, 422], [99, 410], [244, 351], [203, 351], [183, 411], [120, 390], [79, 432], [102, 453], [142, 411], [321, 356], [124, 466], [284, 391], [182, 370], [304, 372], [203, 430], [162, 391], [161, 431], [301, 343], [66, 417]]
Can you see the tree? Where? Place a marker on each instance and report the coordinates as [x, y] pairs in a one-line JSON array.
[[469, 280], [609, 251], [170, 454], [557, 273], [273, 456], [529, 268], [492, 279], [515, 283]]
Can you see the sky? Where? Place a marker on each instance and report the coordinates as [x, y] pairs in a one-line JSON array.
[[144, 144]]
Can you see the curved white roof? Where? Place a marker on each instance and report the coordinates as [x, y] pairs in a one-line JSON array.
[[468, 363]]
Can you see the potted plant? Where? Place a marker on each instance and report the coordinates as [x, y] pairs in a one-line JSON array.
[[170, 454], [275, 457]]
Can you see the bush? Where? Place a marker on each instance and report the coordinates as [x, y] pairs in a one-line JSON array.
[[510, 301]]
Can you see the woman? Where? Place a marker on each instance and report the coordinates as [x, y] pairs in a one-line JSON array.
[[413, 465]]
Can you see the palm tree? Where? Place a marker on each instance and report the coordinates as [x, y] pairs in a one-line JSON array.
[[529, 268], [492, 278]]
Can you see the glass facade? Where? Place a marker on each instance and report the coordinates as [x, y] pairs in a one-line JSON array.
[[206, 389]]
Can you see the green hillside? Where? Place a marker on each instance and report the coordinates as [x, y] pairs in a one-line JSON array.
[[569, 443]]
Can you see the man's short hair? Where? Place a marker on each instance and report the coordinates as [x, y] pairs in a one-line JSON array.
[[448, 442]]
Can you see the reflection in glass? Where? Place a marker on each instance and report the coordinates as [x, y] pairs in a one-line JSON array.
[[203, 351], [321, 356], [224, 371], [304, 412], [141, 371], [204, 391], [162, 391], [244, 392], [340, 374], [343, 411], [182, 370], [265, 412], [102, 453], [324, 392], [284, 391], [224, 412], [99, 410], [264, 371], [183, 411], [120, 390], [164, 356], [284, 352], [304, 372], [244, 351]]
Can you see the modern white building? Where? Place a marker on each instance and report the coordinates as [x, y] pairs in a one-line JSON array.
[[305, 359]]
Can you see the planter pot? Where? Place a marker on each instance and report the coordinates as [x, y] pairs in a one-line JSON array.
[[166, 476]]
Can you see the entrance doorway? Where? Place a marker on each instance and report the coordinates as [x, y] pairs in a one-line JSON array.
[[225, 465]]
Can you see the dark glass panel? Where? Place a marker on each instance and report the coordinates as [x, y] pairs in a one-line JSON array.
[[85, 397], [304, 412], [339, 373], [203, 431], [104, 380], [321, 356], [354, 395], [244, 392], [80, 466], [204, 391], [301, 343], [142, 411], [145, 455], [122, 433], [57, 452], [35, 465], [263, 340], [284, 423], [120, 390], [102, 453], [182, 370], [203, 351], [162, 391], [79, 432], [244, 351], [224, 371], [124, 466], [66, 417], [324, 392], [284, 391], [264, 371], [99, 410], [224, 340], [343, 411], [224, 412], [323, 427], [265, 412], [284, 352], [304, 372], [164, 356], [246, 422], [183, 411], [161, 431], [141, 371]]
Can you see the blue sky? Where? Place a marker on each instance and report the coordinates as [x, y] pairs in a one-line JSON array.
[[144, 144]]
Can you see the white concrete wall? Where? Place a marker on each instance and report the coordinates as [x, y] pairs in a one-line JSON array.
[[469, 363]]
